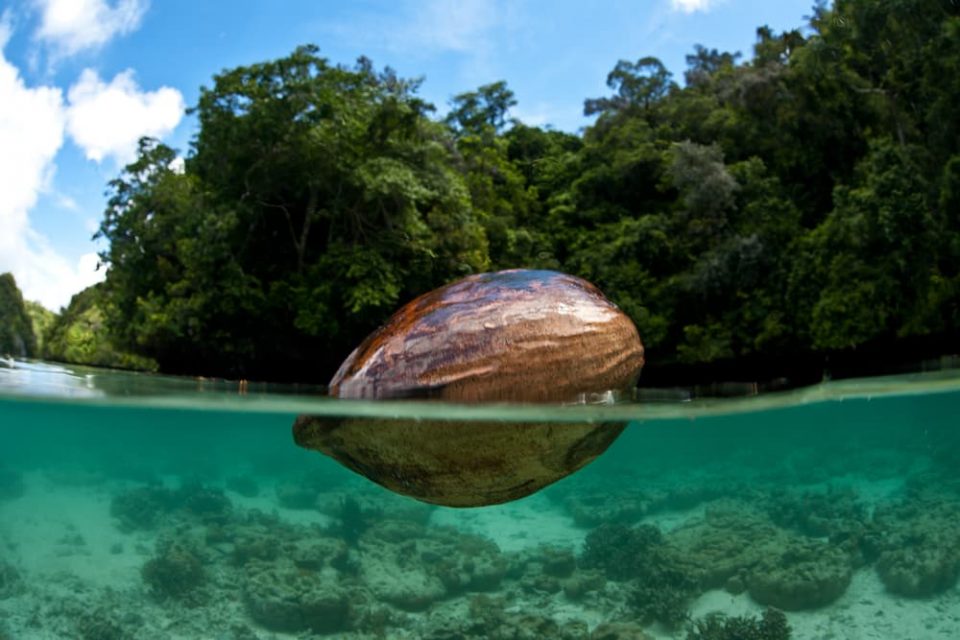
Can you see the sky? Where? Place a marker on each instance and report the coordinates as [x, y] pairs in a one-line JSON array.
[[82, 80]]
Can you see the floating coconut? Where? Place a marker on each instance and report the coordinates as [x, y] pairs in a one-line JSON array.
[[516, 336]]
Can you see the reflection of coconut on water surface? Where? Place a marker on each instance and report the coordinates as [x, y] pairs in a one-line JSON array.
[[512, 336]]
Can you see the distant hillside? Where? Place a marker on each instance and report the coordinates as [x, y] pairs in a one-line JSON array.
[[16, 329], [79, 336]]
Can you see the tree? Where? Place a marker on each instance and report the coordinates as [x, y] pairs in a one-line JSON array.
[[705, 186], [866, 272], [704, 64], [314, 199], [487, 107], [638, 85], [799, 202], [503, 202]]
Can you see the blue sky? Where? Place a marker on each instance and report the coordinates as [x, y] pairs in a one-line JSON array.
[[82, 80]]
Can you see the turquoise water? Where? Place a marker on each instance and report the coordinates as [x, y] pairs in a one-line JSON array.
[[151, 507]]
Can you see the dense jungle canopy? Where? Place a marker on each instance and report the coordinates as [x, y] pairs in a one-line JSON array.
[[801, 203]]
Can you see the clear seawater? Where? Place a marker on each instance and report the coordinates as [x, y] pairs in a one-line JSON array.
[[147, 507]]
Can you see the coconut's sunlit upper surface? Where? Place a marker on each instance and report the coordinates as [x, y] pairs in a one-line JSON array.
[[519, 335], [511, 336]]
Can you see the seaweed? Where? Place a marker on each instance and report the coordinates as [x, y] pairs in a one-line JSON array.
[[772, 625]]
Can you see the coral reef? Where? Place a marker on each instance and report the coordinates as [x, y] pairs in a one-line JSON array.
[[559, 562], [175, 572], [141, 508], [100, 624], [772, 625], [364, 564], [817, 513], [621, 552], [411, 566], [919, 571], [806, 574], [144, 508], [592, 509], [374, 504], [736, 547], [581, 583], [282, 597], [619, 631], [725, 546], [206, 504], [487, 618], [920, 556], [661, 585], [463, 562], [628, 505]]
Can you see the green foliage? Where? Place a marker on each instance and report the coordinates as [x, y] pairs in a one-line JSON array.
[[41, 319], [316, 198], [17, 337], [802, 200], [484, 108], [638, 85], [860, 297], [79, 335]]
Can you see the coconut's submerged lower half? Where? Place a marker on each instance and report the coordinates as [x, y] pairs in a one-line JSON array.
[[458, 463]]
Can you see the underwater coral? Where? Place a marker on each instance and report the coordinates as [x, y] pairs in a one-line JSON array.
[[772, 625]]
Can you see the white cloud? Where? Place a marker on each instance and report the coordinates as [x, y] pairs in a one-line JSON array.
[[32, 122], [31, 131], [66, 202], [108, 119], [70, 26], [43, 274], [6, 30], [691, 6], [449, 25], [546, 114]]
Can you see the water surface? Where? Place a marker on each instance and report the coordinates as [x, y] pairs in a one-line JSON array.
[[141, 506]]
